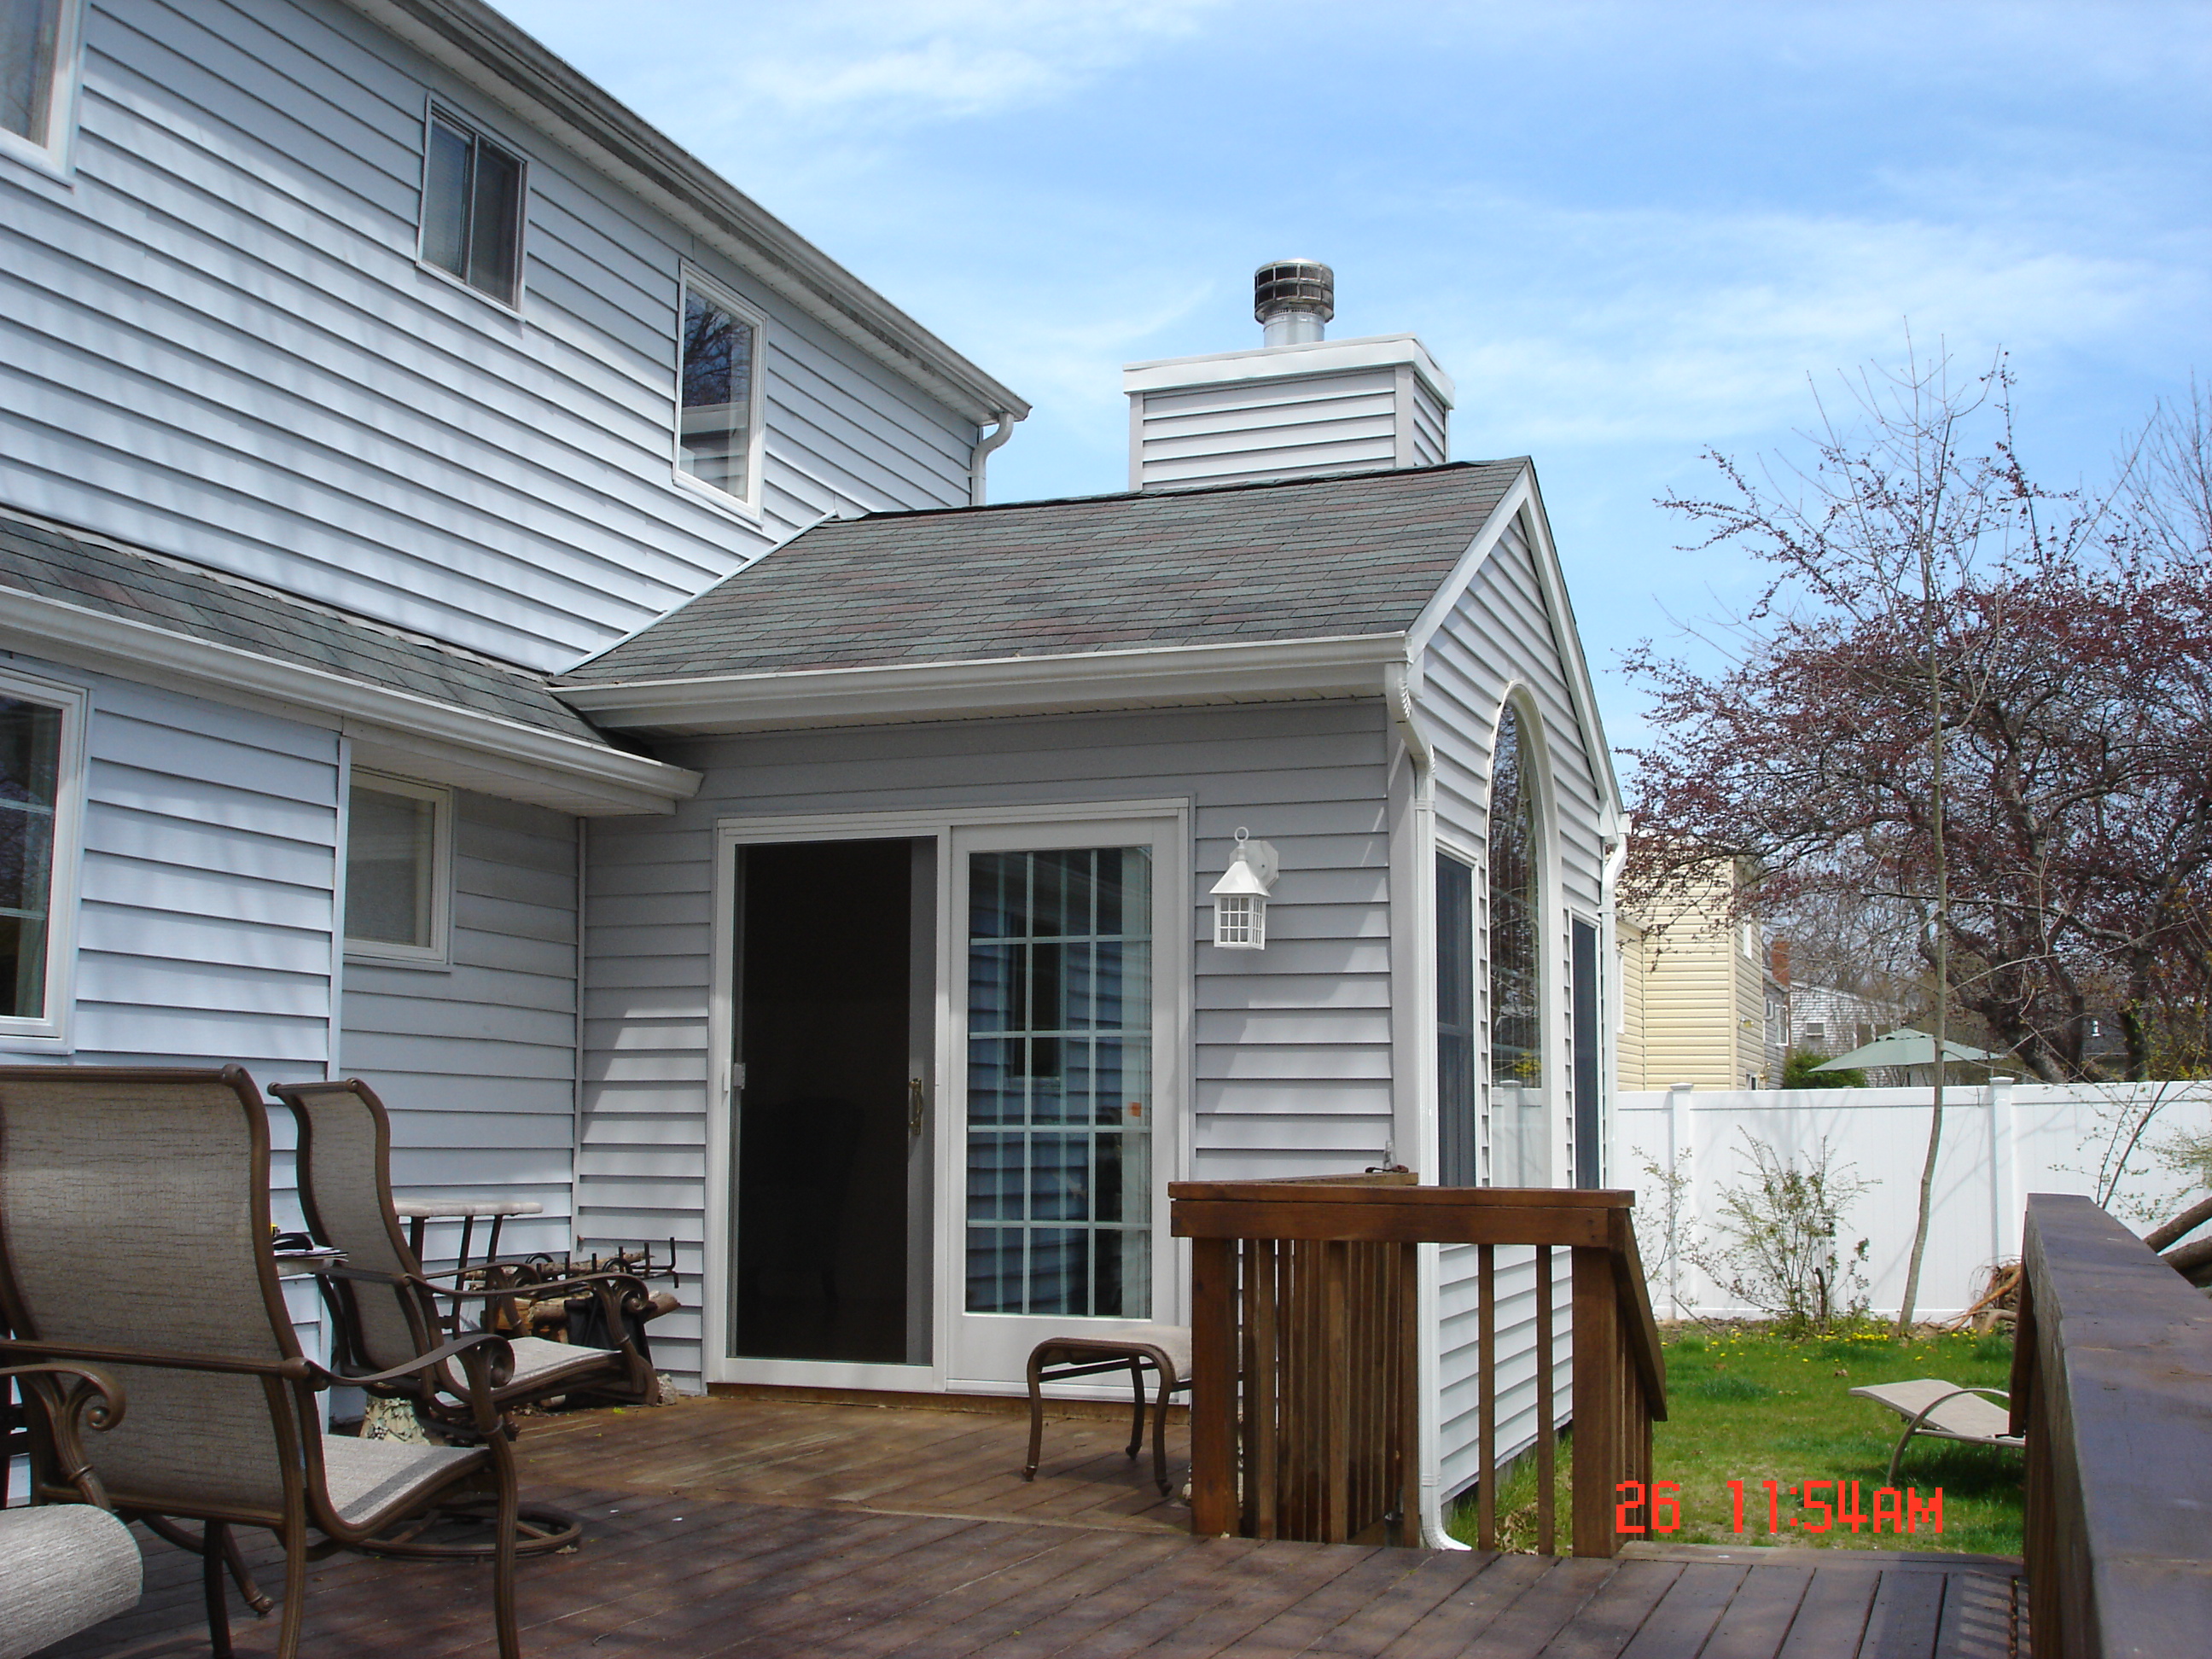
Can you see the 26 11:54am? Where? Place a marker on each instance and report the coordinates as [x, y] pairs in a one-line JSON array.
[[1888, 1508]]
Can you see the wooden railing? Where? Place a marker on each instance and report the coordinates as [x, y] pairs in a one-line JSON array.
[[1305, 1345], [2111, 1385]]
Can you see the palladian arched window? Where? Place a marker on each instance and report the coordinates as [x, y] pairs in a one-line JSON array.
[[1520, 1137]]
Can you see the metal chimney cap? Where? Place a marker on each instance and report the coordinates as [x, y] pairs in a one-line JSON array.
[[1284, 286]]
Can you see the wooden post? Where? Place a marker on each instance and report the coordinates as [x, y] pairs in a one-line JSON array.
[[1598, 1449], [1212, 1387], [1486, 1423], [1546, 1431]]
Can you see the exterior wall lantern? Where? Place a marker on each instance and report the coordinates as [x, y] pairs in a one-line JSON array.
[[1240, 897]]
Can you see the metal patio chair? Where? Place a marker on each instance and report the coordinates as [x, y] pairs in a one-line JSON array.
[[64, 1567], [1163, 1350], [134, 1236], [385, 1311]]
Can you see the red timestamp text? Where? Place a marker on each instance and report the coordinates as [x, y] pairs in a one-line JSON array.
[[1814, 1506]]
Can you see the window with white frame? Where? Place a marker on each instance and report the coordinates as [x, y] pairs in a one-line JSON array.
[[38, 75], [398, 868], [472, 197], [40, 790], [718, 391]]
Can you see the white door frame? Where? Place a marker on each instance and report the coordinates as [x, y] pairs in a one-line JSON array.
[[1172, 1051]]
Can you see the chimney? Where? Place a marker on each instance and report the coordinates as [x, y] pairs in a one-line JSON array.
[[1298, 405]]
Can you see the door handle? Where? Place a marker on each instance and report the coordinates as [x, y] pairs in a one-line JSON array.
[[914, 1107]]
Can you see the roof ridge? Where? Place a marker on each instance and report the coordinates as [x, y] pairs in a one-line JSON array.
[[1177, 494], [268, 591]]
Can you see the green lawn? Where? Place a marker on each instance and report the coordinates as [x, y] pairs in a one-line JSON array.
[[1745, 1405]]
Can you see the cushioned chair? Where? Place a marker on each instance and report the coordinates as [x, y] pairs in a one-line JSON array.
[[134, 1236], [64, 1567]]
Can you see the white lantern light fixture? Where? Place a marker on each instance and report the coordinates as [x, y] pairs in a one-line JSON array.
[[1240, 897]]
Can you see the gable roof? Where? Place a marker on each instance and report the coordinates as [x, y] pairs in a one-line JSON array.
[[76, 597], [1351, 555]]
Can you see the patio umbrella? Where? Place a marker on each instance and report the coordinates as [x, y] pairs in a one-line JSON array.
[[1903, 1047]]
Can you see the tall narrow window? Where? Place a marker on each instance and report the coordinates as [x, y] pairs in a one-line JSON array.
[[717, 392], [1520, 1137], [472, 207], [397, 860], [39, 735], [38, 50], [1459, 1128]]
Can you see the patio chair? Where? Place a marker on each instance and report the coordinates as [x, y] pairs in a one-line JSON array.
[[64, 1567], [385, 1311], [1944, 1410], [134, 1236]]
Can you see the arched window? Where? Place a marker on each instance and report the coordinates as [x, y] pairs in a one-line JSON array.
[[1519, 1137]]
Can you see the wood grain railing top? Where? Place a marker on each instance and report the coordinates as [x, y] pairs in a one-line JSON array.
[[2112, 1386]]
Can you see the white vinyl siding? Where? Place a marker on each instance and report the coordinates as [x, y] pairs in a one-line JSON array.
[[1290, 427], [1291, 1050], [1500, 637], [218, 343], [476, 1061]]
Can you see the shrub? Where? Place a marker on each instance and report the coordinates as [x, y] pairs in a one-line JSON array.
[[1797, 1072], [1773, 1243]]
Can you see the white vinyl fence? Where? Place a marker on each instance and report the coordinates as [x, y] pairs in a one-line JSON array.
[[2000, 1142]]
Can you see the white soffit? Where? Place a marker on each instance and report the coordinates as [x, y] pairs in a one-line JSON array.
[[1167, 677]]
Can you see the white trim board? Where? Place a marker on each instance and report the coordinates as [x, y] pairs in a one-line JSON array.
[[1086, 681]]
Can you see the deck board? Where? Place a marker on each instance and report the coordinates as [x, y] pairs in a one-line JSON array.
[[746, 1528]]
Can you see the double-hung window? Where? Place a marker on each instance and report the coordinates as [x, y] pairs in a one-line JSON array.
[[718, 391], [38, 77], [472, 197], [40, 772], [399, 869]]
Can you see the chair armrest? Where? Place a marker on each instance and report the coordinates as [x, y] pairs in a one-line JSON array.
[[90, 1396], [160, 1359], [487, 1364]]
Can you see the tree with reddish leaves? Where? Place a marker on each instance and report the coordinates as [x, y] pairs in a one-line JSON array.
[[1975, 705]]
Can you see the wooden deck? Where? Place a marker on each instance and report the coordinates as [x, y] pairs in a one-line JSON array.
[[740, 1527]]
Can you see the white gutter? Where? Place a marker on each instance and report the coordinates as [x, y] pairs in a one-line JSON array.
[[1146, 676], [435, 740], [1614, 1009], [1398, 692]]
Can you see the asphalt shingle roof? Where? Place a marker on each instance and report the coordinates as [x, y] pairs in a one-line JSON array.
[[1306, 559], [182, 597]]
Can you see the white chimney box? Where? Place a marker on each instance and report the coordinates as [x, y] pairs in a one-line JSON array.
[[1295, 407]]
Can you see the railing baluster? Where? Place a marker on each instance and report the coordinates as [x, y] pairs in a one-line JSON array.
[[1405, 1437], [1261, 1269], [1336, 1374], [1485, 1491], [1546, 1431]]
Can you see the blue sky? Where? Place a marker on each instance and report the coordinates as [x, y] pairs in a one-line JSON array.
[[1628, 231]]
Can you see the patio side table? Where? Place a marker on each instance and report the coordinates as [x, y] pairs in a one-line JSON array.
[[1162, 1349], [418, 1212]]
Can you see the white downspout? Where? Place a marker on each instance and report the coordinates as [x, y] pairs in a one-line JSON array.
[[1613, 1010], [984, 444], [1422, 757]]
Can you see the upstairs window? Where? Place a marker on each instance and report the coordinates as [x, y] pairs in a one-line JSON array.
[[38, 63], [718, 391], [472, 207], [398, 863]]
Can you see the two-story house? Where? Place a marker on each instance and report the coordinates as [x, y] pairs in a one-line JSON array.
[[487, 608]]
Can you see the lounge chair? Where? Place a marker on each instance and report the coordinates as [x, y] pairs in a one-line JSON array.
[[1945, 1410], [134, 1236], [64, 1567]]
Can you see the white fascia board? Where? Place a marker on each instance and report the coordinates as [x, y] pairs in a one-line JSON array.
[[1522, 497], [408, 733], [1280, 362], [479, 46], [1163, 677]]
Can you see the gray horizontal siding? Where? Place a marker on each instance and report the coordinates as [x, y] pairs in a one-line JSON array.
[[476, 1061], [1283, 428], [1499, 638], [216, 341], [1292, 1051]]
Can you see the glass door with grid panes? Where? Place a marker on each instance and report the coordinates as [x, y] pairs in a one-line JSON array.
[[1057, 1051]]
